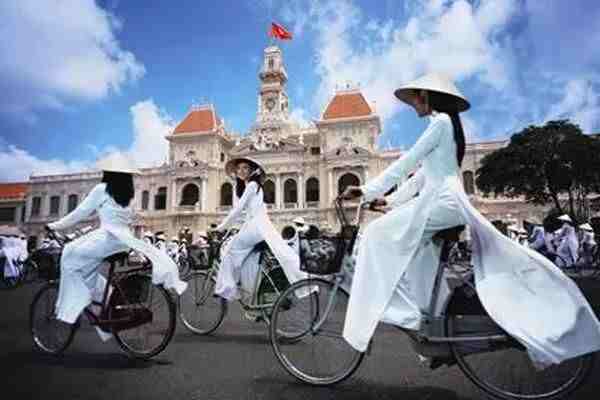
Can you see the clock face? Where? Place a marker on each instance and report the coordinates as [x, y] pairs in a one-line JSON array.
[[270, 103]]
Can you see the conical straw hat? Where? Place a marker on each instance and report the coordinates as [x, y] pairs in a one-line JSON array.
[[231, 165], [117, 162], [455, 101]]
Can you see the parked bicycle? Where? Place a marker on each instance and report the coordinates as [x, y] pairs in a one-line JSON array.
[[455, 329], [140, 315], [202, 313]]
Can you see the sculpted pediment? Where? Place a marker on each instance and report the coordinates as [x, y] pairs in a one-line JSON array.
[[249, 147], [347, 151]]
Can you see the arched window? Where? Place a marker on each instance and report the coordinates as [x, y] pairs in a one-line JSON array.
[[72, 202], [160, 199], [269, 192], [190, 195], [290, 191], [145, 199], [226, 194], [346, 180], [468, 182], [312, 190], [54, 205]]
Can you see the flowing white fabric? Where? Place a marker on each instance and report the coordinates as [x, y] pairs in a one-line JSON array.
[[12, 252], [82, 257], [238, 254], [522, 291]]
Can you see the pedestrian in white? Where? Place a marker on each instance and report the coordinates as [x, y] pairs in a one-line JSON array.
[[524, 293], [568, 247], [82, 257], [588, 244], [537, 238], [256, 227], [161, 242], [173, 249], [10, 250]]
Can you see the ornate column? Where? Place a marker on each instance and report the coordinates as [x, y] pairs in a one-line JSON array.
[[301, 195], [278, 192], [331, 186], [173, 195], [203, 201], [28, 208]]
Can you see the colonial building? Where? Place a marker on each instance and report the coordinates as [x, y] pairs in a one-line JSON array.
[[306, 166]]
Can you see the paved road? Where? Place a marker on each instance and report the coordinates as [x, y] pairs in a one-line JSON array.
[[234, 363]]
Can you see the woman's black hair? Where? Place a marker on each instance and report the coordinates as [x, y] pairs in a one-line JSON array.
[[119, 186], [439, 102], [240, 185]]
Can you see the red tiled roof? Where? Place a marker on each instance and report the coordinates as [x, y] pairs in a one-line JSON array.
[[347, 105], [198, 120], [13, 190]]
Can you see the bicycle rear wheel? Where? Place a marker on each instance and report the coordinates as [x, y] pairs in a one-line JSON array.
[[49, 334], [504, 370], [199, 310], [311, 314], [149, 339]]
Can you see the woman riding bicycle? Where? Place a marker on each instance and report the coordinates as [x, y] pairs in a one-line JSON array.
[[521, 290], [81, 258], [256, 227]]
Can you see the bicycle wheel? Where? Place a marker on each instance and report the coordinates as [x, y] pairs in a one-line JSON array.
[[147, 340], [199, 310], [312, 311], [505, 371], [272, 284], [49, 334]]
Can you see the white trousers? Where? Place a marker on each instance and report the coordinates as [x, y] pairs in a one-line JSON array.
[[79, 271], [239, 264]]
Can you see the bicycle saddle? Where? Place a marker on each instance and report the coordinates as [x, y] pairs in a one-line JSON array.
[[261, 246], [450, 234], [117, 257]]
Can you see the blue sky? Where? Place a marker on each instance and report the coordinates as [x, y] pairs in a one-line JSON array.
[[82, 79]]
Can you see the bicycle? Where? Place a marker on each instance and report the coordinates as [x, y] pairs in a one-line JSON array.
[[202, 313], [454, 330], [140, 315]]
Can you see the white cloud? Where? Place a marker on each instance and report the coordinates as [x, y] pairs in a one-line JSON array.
[[454, 38], [55, 52], [581, 103], [148, 148], [150, 126]]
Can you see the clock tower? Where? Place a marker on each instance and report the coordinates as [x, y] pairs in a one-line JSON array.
[[273, 103]]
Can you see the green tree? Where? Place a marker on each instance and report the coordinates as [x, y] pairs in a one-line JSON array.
[[545, 164]]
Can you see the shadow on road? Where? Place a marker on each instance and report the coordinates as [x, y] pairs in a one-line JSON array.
[[252, 338], [78, 360], [350, 390]]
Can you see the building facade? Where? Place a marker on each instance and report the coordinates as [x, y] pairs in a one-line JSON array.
[[306, 166]]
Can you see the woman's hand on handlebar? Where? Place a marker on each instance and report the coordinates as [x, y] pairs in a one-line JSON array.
[[378, 205], [351, 192]]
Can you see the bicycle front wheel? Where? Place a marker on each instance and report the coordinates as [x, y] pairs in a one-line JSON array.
[[149, 339], [311, 314], [199, 310], [49, 334]]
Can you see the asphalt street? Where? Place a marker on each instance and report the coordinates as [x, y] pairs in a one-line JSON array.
[[236, 362]]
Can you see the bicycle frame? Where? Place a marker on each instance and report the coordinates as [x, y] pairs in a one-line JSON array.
[[433, 326]]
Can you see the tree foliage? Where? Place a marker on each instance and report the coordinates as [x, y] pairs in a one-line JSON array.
[[555, 163]]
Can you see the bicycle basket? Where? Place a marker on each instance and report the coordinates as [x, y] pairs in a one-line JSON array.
[[48, 262], [198, 257], [324, 255]]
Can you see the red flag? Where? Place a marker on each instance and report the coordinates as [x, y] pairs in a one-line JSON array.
[[279, 32]]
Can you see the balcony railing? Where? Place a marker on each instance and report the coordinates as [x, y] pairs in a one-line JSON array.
[[312, 204], [290, 205]]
